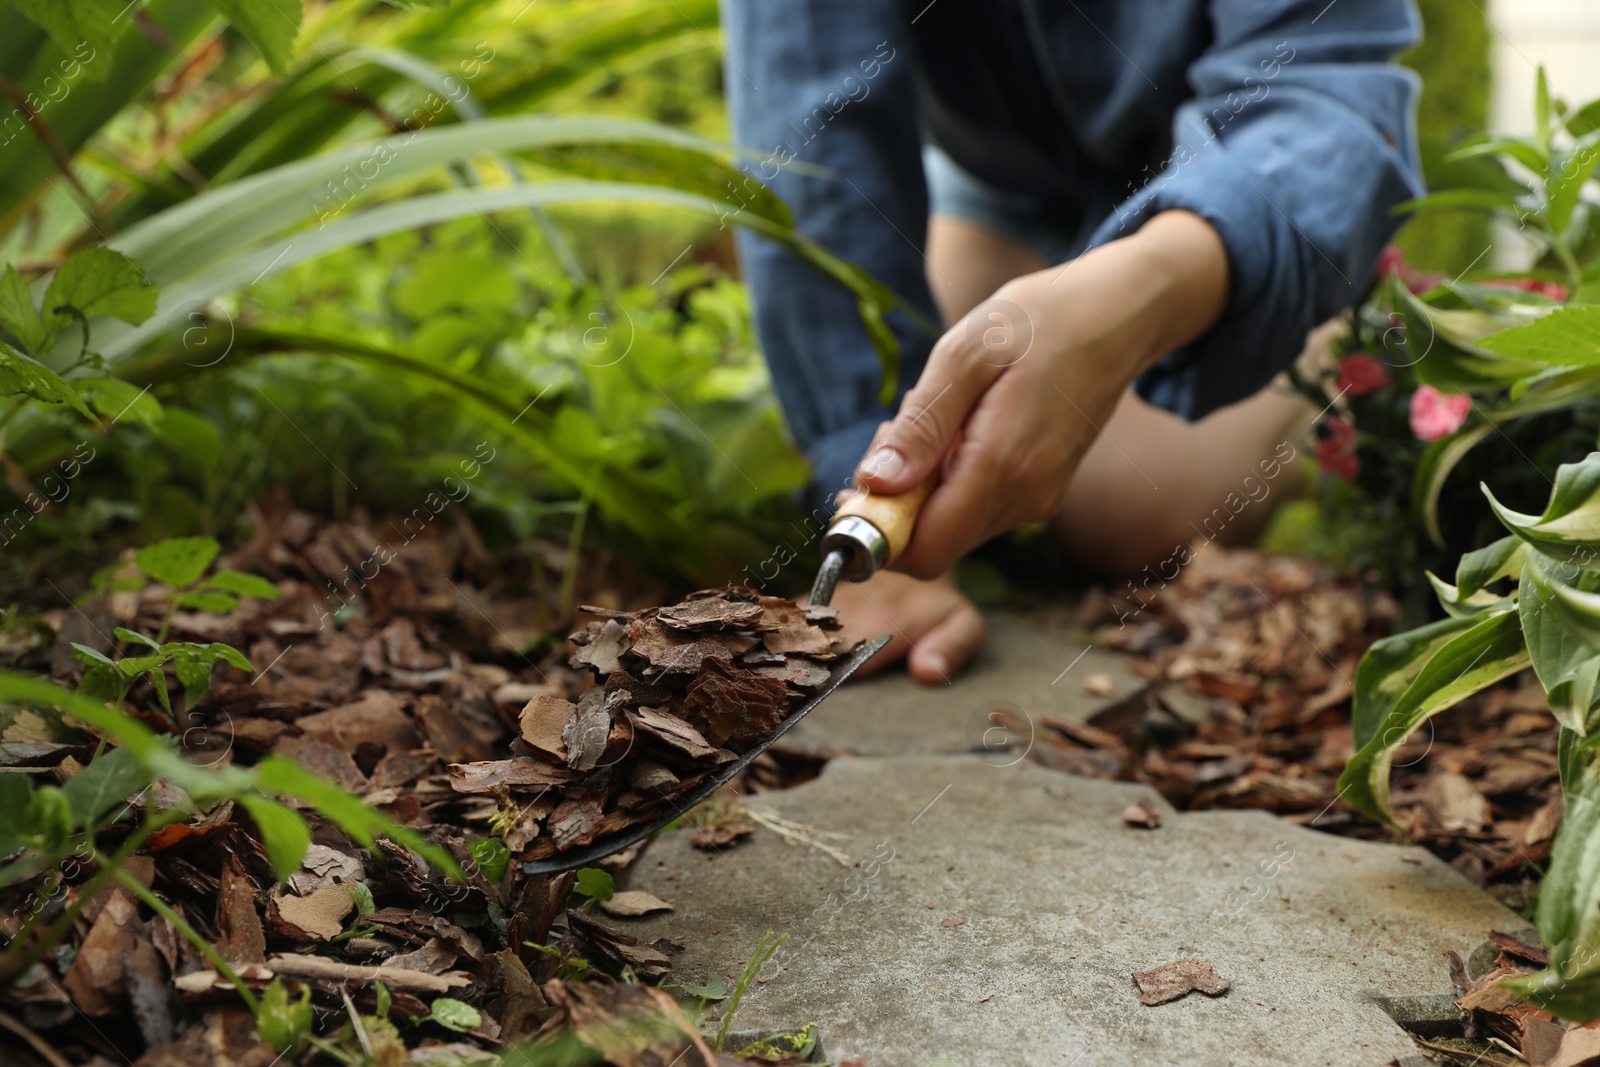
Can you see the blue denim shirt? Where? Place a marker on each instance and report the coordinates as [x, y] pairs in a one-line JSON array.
[[1283, 123]]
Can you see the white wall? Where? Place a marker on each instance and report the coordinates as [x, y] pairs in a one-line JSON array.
[[1563, 35]]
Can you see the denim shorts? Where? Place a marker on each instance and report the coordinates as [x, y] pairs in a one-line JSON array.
[[1049, 228]]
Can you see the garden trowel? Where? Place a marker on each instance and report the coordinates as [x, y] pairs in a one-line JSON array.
[[867, 535]]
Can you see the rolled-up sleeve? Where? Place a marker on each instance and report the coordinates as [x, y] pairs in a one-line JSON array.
[[829, 83], [1296, 148]]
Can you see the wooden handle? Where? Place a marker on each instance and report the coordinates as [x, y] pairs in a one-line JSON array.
[[894, 516]]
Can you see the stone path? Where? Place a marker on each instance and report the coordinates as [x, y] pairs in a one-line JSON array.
[[1043, 903]]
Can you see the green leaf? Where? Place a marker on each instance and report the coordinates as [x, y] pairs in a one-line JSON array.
[[1461, 199], [100, 281], [178, 561], [359, 893], [284, 833], [454, 1015], [492, 858], [1570, 171], [1567, 337], [214, 601], [1471, 660], [1569, 915], [230, 655], [1541, 112], [281, 1022], [1569, 528], [72, 23], [117, 400], [1388, 669], [1443, 355], [1561, 623], [22, 376], [51, 815], [17, 313], [270, 25], [241, 584], [134, 637], [194, 674], [714, 989], [1477, 569], [595, 883], [114, 776], [278, 775]]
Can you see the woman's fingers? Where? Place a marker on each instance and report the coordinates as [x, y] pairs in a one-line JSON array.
[[931, 415]]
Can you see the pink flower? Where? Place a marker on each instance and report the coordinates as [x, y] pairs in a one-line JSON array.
[[1435, 414], [1551, 290], [1336, 452], [1360, 374], [1393, 261]]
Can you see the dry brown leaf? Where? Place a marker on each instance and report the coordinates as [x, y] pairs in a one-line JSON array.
[[1171, 981], [630, 903], [318, 917], [1455, 804], [1143, 813], [543, 720]]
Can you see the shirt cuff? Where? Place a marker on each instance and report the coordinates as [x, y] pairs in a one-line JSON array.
[[1268, 315]]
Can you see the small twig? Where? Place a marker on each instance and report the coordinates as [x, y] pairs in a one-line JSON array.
[[1485, 1058], [39, 1045], [355, 1021]]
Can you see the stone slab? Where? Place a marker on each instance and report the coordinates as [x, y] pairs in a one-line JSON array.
[[1058, 903], [1031, 663]]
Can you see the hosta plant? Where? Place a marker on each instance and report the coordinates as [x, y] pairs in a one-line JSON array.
[[1531, 598]]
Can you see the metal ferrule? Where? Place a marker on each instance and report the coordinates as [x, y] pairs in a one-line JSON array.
[[865, 549]]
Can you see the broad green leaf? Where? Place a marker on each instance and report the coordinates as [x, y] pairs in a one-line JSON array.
[[365, 904], [713, 989], [72, 23], [230, 655], [1388, 669], [16, 794], [50, 814], [1570, 171], [281, 1022], [469, 281], [118, 401], [22, 376], [1584, 120], [209, 600], [114, 776], [284, 833], [133, 666], [1567, 337], [492, 858], [194, 674], [1485, 566], [1444, 357], [241, 584], [1569, 528], [1470, 661], [278, 775], [270, 25], [1569, 915], [134, 637], [17, 313], [178, 561], [593, 882], [1561, 623], [1523, 152], [1477, 569], [1433, 469], [454, 1014], [100, 281], [1461, 199]]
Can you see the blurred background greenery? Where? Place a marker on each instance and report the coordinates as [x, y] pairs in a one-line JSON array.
[[347, 381]]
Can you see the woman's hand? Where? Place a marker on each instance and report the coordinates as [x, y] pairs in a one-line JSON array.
[[1014, 393]]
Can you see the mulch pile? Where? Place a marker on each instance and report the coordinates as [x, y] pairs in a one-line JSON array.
[[1248, 662], [684, 689], [406, 682]]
